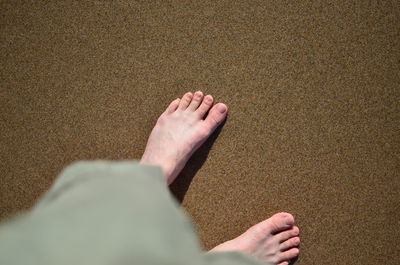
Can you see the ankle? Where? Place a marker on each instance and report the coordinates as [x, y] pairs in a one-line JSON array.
[[164, 169]]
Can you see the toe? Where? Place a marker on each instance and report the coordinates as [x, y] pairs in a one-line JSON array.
[[194, 104], [290, 243], [185, 101], [285, 235], [205, 105], [284, 263], [279, 222], [289, 254], [216, 116], [173, 106]]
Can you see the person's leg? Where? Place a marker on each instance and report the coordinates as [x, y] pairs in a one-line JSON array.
[[102, 212], [179, 131]]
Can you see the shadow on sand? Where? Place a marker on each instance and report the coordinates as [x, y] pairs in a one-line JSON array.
[[180, 186]]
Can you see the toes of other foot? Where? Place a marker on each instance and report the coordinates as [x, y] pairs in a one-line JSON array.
[[290, 243], [196, 101], [289, 254], [205, 105], [284, 263], [173, 106], [216, 116], [285, 235], [286, 218], [279, 222], [185, 101]]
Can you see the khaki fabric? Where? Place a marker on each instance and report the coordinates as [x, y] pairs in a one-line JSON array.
[[107, 212]]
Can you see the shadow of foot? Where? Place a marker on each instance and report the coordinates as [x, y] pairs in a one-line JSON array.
[[181, 184], [293, 261]]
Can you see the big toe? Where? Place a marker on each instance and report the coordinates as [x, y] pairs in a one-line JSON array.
[[216, 116], [279, 222]]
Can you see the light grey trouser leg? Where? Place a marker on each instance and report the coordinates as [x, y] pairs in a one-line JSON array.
[[104, 212]]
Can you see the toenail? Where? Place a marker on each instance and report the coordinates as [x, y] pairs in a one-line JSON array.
[[286, 217], [221, 109]]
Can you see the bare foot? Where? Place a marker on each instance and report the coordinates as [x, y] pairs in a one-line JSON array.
[[274, 240], [180, 131]]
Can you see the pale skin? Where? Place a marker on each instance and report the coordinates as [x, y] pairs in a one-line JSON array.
[[179, 132]]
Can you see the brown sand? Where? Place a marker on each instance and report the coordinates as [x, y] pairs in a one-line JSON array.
[[313, 126]]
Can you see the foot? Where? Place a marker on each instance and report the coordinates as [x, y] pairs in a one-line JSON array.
[[180, 131], [274, 240]]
